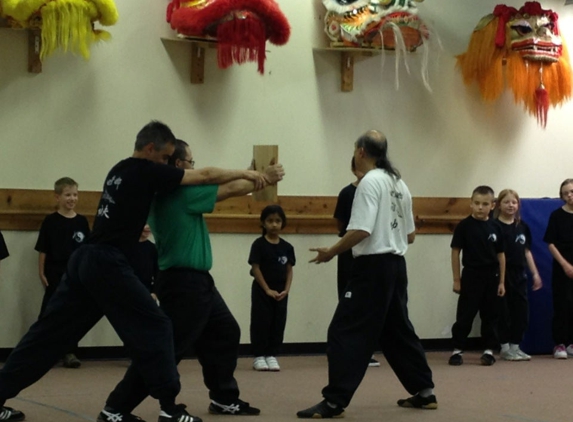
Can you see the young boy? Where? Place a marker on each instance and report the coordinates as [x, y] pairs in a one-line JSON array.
[[61, 234], [482, 280]]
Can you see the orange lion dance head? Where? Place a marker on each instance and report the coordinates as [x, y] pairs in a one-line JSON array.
[[527, 42]]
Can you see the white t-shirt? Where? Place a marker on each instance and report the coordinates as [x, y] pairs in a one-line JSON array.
[[382, 207]]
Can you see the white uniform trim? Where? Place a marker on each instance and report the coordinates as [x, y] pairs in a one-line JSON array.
[[382, 207]]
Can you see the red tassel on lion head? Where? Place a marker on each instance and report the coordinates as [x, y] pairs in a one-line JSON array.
[[241, 27]]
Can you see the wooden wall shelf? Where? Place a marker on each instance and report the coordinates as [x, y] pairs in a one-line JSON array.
[[347, 56], [198, 47], [24, 209], [34, 46]]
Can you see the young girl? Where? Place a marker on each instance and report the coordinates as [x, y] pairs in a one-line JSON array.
[[559, 236], [271, 260], [514, 310]]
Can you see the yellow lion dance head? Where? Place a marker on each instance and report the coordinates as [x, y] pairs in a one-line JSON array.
[[523, 49]]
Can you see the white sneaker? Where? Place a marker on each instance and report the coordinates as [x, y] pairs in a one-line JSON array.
[[559, 352], [509, 355], [260, 364], [569, 350], [272, 364], [522, 355]]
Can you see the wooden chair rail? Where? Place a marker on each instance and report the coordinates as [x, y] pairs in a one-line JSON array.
[[24, 209]]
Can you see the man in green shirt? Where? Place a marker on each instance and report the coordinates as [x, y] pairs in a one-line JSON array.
[[201, 320]]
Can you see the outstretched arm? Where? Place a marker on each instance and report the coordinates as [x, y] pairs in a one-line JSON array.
[[272, 175], [217, 176], [350, 239]]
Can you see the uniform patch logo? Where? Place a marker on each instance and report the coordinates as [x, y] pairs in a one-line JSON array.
[[520, 239], [492, 237], [348, 295], [283, 260], [79, 237]]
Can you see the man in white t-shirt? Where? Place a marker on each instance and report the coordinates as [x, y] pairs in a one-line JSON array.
[[373, 311]]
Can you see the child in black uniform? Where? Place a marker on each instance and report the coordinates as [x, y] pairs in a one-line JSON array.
[[482, 280], [61, 233], [271, 259], [514, 306], [559, 237]]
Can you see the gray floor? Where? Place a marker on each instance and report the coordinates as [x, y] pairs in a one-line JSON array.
[[536, 391]]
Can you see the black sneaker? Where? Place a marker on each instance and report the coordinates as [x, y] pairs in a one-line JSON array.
[[105, 416], [179, 415], [373, 363], [71, 361], [419, 402], [9, 414], [456, 359], [487, 359], [321, 411], [238, 407]]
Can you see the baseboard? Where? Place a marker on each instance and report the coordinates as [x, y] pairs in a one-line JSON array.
[[292, 349]]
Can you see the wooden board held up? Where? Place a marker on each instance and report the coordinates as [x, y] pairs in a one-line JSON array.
[[264, 156]]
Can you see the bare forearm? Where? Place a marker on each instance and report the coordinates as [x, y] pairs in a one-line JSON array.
[[531, 263], [348, 241], [456, 268], [557, 255], [211, 176], [501, 259], [234, 188]]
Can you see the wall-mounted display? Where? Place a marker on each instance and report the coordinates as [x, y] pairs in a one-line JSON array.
[[240, 27], [523, 50]]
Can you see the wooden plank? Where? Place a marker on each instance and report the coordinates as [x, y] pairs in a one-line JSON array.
[[34, 48], [346, 71], [264, 156], [24, 209], [197, 63]]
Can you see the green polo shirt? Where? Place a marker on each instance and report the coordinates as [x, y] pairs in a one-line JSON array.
[[179, 229]]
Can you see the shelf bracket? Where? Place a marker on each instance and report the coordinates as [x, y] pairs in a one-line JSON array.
[[34, 48], [346, 71], [197, 63]]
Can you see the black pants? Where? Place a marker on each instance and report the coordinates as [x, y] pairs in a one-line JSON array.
[[54, 278], [478, 293], [514, 313], [343, 271], [562, 306], [203, 324], [98, 281], [374, 313], [268, 322]]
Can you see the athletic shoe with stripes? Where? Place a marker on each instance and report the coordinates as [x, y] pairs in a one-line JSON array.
[[106, 416], [9, 414], [179, 415], [238, 407]]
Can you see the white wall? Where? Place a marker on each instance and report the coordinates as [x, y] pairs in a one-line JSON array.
[[78, 118]]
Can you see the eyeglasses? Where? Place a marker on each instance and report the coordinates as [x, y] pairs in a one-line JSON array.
[[191, 162]]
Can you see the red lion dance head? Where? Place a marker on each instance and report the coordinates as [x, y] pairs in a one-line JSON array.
[[241, 27], [528, 43]]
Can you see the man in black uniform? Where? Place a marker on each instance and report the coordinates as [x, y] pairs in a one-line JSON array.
[[100, 281]]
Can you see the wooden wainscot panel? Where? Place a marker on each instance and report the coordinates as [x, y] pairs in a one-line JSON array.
[[24, 209]]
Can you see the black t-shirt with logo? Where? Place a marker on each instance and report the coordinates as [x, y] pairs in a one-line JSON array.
[[517, 239], [3, 249], [128, 191], [480, 242], [60, 236], [272, 259]]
